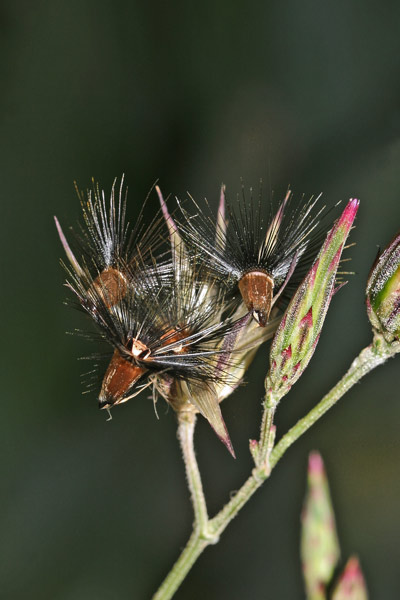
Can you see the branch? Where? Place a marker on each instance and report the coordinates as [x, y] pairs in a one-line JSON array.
[[209, 531]]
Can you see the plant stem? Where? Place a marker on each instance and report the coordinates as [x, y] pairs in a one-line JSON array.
[[230, 510], [374, 355], [186, 425], [190, 554], [369, 358], [201, 536], [267, 432]]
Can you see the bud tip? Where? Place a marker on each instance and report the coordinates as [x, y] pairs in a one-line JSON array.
[[315, 463]]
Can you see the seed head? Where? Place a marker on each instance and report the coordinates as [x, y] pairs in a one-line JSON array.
[[256, 248], [238, 340], [164, 315]]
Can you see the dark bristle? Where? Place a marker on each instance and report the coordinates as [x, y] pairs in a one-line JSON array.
[[106, 240], [257, 235], [155, 306], [167, 298]]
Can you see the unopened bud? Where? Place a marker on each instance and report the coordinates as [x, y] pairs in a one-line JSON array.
[[298, 333], [351, 584], [319, 542], [383, 292]]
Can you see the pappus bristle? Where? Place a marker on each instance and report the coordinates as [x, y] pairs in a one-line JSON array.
[[163, 329], [171, 324], [179, 325], [255, 249], [175, 336], [106, 248], [107, 238]]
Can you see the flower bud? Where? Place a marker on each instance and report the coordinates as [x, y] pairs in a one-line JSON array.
[[351, 584], [298, 333], [383, 292], [319, 542]]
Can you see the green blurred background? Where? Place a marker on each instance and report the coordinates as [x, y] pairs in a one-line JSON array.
[[191, 94]]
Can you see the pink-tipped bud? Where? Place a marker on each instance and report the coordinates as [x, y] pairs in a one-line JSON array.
[[351, 584], [301, 325], [319, 542], [254, 448], [383, 292]]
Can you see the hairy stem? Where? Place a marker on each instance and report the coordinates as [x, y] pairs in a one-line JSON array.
[[201, 536], [369, 358], [210, 530], [267, 433], [187, 423], [372, 356], [181, 568]]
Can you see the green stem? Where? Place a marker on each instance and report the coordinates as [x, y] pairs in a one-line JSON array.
[[267, 432], [201, 536], [372, 356], [219, 523], [187, 422], [190, 554], [369, 358]]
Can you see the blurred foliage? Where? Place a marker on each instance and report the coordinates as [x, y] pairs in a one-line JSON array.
[[189, 94]]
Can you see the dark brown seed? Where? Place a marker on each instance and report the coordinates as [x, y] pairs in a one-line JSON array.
[[111, 285], [120, 376], [256, 288]]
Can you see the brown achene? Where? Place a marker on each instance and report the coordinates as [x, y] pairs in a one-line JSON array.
[[122, 374], [256, 288], [111, 285]]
